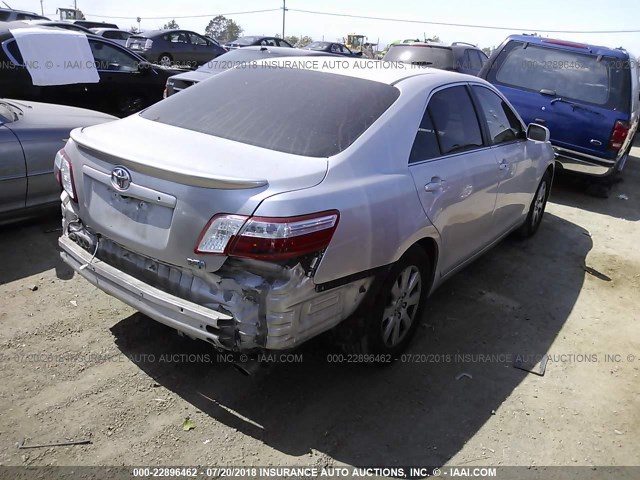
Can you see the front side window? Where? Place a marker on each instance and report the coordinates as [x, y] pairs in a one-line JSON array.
[[108, 57], [503, 124], [455, 120], [197, 39]]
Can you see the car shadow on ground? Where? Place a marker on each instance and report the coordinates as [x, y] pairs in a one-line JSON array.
[[417, 411], [624, 197], [30, 247]]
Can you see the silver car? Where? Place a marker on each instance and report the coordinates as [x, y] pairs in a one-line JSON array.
[[30, 134], [264, 206]]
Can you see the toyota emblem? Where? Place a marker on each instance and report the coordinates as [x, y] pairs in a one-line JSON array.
[[120, 178]]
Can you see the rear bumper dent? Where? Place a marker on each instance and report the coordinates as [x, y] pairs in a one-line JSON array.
[[187, 317]]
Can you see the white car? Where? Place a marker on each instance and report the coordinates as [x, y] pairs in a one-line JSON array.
[[113, 34]]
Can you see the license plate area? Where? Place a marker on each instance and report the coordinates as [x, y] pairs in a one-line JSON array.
[[129, 218]]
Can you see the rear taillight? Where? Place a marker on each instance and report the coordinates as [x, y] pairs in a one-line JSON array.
[[148, 44], [619, 135], [64, 174], [266, 238]]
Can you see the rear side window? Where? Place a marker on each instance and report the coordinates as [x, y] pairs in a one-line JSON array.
[[591, 79], [423, 55], [455, 120], [425, 145], [289, 110], [503, 124], [4, 16], [473, 60]]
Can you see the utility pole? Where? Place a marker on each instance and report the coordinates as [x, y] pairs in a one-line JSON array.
[[42, 7], [284, 12]]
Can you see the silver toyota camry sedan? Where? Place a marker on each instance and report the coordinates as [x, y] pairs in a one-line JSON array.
[[267, 205]]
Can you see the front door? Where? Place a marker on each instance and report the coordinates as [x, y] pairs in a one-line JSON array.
[[456, 176], [518, 174]]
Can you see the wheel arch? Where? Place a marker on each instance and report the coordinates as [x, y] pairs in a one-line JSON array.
[[431, 247]]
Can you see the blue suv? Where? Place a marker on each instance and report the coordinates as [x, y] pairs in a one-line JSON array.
[[586, 95]]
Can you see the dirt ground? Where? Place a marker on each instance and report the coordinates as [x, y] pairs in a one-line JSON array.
[[78, 364]]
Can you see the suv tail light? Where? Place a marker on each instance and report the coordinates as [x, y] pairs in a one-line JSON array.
[[619, 135], [148, 44], [63, 171], [266, 238]]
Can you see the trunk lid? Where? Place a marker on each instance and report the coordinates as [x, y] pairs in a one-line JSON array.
[[179, 179]]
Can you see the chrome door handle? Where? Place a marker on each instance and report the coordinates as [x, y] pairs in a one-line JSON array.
[[434, 185]]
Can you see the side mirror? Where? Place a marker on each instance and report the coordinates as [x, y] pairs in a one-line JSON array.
[[537, 133]]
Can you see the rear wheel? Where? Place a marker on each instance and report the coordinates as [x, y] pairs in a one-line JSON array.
[[396, 312], [166, 60], [538, 205]]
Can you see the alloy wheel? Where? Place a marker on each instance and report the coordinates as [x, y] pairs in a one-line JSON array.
[[400, 312]]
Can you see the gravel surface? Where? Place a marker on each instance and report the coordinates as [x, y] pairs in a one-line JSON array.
[[78, 364]]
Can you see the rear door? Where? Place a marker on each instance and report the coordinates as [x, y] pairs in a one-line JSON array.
[[13, 171], [456, 175], [517, 174], [577, 95]]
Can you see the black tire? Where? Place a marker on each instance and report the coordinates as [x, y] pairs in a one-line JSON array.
[[165, 59], [372, 338], [537, 207]]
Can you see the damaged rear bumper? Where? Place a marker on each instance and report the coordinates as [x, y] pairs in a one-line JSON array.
[[233, 309], [188, 317]]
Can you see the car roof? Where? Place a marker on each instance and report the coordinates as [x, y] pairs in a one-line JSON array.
[[158, 33], [375, 70], [578, 47], [275, 49], [57, 23], [21, 11], [422, 44], [100, 30]]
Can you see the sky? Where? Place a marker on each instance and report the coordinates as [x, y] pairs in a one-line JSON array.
[[536, 15]]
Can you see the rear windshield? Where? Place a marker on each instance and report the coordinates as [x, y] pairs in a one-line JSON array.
[[582, 77], [424, 55], [317, 46], [289, 110]]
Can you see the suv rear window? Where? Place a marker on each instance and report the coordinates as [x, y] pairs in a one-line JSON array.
[[289, 110], [423, 55], [582, 77]]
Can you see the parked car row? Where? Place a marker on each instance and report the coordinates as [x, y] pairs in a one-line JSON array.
[[108, 77]]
